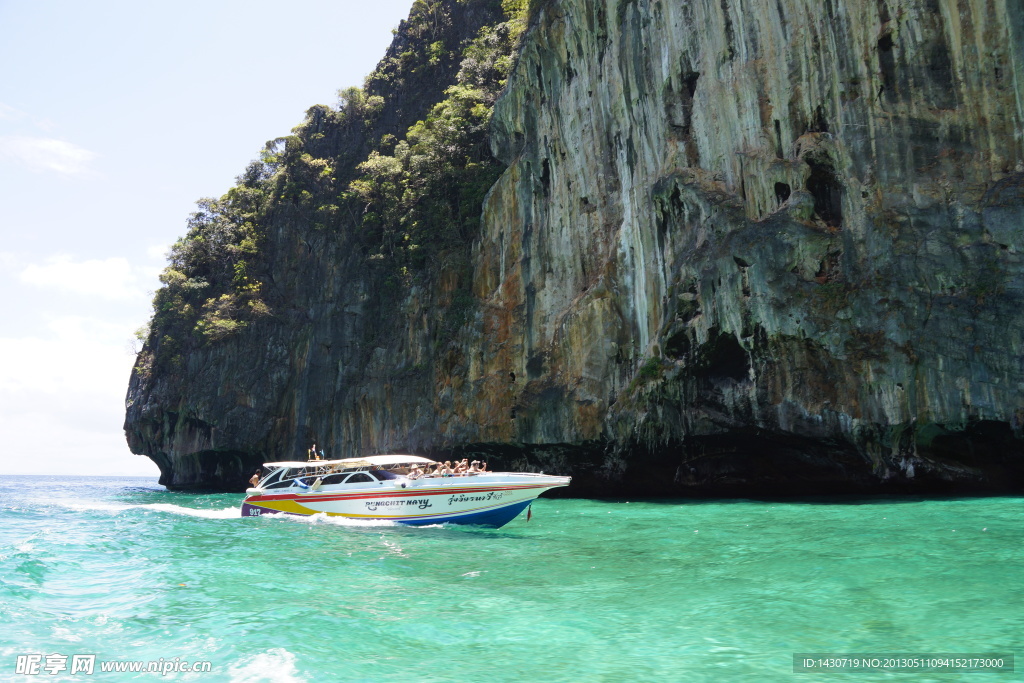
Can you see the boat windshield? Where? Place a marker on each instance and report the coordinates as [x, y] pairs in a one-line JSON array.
[[285, 476], [335, 473], [270, 478]]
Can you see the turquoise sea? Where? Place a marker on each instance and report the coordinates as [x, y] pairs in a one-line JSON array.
[[589, 590]]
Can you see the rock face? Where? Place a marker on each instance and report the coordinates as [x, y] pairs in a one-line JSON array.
[[740, 246]]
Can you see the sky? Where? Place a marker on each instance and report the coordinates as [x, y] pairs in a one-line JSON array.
[[115, 117]]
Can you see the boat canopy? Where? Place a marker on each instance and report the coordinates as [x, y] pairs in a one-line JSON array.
[[351, 463], [395, 459], [348, 462]]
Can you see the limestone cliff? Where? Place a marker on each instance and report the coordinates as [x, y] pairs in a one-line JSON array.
[[737, 245]]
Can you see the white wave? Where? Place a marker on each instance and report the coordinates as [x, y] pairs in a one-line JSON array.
[[393, 548], [22, 547], [25, 547], [66, 634], [96, 506], [322, 518], [224, 513], [273, 666], [234, 512]]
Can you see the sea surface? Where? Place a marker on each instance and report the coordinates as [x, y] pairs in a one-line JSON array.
[[589, 590]]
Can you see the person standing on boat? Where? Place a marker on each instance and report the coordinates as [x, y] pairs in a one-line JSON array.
[[256, 477]]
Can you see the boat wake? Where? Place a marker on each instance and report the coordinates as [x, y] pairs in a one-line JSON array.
[[224, 513], [322, 518], [92, 506], [233, 513]]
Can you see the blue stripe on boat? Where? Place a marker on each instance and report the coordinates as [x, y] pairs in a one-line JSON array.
[[493, 518]]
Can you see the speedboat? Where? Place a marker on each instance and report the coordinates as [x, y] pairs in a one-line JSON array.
[[385, 487]]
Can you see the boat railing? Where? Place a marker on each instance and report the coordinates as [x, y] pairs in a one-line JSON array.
[[477, 474]]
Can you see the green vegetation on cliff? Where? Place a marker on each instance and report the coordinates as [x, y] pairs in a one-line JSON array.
[[402, 163], [422, 194]]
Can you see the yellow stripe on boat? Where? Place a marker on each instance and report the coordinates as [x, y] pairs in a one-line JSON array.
[[286, 505]]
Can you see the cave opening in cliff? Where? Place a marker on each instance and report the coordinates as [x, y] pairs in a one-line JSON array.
[[689, 79], [824, 186], [782, 192], [819, 123], [678, 345], [887, 64], [722, 357]]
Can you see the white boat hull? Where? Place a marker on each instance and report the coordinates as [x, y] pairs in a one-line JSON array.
[[485, 499]]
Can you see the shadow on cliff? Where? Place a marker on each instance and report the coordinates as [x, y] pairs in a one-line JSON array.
[[983, 460]]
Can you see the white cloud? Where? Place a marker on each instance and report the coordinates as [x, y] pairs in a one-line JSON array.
[[9, 113], [158, 252], [112, 278], [62, 400], [79, 329], [80, 356], [47, 154]]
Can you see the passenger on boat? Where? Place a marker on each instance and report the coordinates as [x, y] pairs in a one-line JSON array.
[[474, 467], [483, 466], [415, 473], [255, 479]]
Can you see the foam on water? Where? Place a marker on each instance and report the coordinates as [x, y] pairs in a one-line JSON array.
[[323, 518], [91, 506], [273, 666], [223, 513], [230, 513]]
